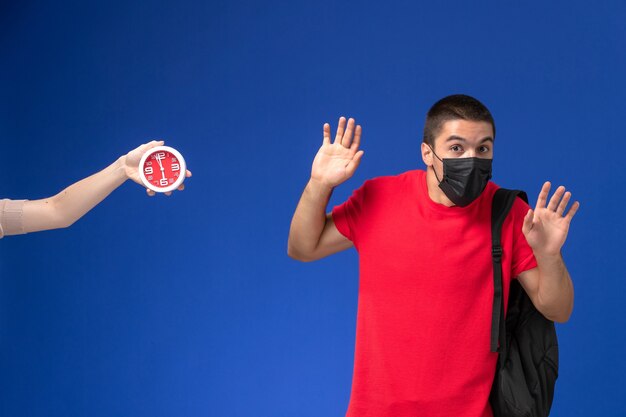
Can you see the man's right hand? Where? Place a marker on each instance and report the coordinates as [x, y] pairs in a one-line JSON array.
[[336, 162]]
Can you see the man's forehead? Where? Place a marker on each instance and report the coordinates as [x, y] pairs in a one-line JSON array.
[[466, 130], [455, 138]]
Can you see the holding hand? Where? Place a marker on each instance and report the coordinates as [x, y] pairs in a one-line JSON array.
[[131, 164], [336, 162], [546, 227]]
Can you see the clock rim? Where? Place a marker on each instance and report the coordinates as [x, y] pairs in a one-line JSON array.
[[176, 183]]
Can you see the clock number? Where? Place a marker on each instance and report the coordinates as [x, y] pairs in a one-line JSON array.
[[160, 155], [163, 182], [175, 167], [148, 170]]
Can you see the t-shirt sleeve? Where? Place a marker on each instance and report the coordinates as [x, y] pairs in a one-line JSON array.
[[346, 216], [523, 257], [11, 217]]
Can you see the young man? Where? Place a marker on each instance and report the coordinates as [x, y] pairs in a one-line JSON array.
[[65, 208], [424, 244]]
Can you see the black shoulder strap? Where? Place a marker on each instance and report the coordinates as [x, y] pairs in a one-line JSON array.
[[500, 207]]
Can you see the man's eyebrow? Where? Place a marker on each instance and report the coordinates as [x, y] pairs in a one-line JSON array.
[[460, 139]]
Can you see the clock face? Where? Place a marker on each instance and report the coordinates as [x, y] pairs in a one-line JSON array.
[[162, 169]]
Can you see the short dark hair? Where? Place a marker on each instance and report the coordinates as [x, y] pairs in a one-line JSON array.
[[454, 107]]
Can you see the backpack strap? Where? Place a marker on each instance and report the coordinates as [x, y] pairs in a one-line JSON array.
[[502, 202]]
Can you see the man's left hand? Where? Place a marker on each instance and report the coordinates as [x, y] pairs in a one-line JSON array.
[[546, 227]]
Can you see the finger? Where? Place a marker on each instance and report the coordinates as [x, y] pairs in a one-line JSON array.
[[354, 163], [326, 140], [169, 193], [528, 222], [572, 211], [347, 136], [340, 128], [150, 192], [188, 174], [181, 187], [147, 146], [357, 139], [561, 208], [154, 143], [556, 197], [543, 195]]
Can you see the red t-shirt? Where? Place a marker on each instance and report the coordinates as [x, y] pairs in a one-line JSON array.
[[425, 298]]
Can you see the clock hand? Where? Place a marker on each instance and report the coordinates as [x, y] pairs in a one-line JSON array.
[[159, 161], [158, 158]]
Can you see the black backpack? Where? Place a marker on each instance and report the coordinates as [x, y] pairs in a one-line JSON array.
[[528, 362]]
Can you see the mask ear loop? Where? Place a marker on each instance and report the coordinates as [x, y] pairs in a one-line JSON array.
[[433, 167]]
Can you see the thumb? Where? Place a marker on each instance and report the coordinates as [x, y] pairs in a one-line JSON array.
[[528, 222], [354, 163], [152, 144]]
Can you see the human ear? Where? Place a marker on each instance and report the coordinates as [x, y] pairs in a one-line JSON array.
[[427, 155]]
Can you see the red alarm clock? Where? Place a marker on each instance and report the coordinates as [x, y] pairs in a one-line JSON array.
[[162, 169]]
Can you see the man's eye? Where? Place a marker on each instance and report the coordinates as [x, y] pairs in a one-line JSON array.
[[455, 148], [483, 149]]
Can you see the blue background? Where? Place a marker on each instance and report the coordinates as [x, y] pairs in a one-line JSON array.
[[189, 305]]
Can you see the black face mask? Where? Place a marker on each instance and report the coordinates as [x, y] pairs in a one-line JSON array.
[[464, 179]]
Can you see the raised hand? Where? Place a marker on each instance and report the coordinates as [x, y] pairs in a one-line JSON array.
[[337, 161], [131, 164], [547, 226]]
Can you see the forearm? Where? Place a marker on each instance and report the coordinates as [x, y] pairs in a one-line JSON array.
[[555, 292], [309, 220], [72, 203]]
